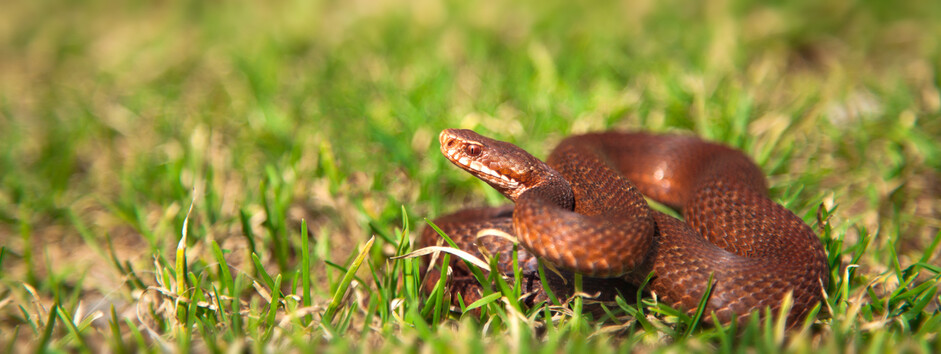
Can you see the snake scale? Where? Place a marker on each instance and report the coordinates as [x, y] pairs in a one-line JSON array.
[[583, 210]]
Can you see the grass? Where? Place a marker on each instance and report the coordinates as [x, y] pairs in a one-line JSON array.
[[291, 147]]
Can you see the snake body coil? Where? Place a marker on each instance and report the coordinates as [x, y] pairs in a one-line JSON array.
[[583, 211]]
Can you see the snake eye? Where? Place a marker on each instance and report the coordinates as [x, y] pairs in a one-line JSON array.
[[472, 149]]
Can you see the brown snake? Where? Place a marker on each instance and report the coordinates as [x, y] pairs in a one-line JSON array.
[[583, 211]]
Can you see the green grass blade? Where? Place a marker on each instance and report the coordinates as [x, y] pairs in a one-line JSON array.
[[345, 282], [136, 334], [305, 269], [260, 269], [73, 330], [701, 308], [483, 301], [545, 285], [13, 336], [247, 230], [225, 277], [47, 330], [117, 343], [181, 287], [273, 309]]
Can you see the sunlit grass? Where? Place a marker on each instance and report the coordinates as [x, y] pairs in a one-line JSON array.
[[303, 136]]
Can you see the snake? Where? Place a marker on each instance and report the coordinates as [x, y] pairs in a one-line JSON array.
[[584, 210]]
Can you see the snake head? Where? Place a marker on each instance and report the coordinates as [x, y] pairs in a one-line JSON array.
[[504, 166]]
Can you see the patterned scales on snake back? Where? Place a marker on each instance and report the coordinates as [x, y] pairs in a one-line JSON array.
[[584, 211]]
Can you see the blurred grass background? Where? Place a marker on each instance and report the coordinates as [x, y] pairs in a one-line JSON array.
[[115, 116]]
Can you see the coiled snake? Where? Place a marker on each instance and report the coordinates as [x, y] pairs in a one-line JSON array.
[[583, 211]]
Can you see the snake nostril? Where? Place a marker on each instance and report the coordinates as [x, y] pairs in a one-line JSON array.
[[449, 143]]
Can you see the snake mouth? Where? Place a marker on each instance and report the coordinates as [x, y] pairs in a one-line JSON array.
[[476, 156], [479, 169]]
